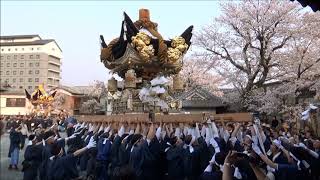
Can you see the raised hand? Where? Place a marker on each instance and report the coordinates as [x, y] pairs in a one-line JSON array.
[[92, 143]]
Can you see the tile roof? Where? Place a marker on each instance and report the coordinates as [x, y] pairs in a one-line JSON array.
[[36, 42], [209, 101], [20, 36]]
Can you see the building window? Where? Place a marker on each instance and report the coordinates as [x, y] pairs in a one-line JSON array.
[[16, 49], [0, 72], [2, 49], [16, 102], [14, 72], [1, 64], [22, 56], [38, 48], [21, 72], [9, 49], [8, 73], [15, 57], [8, 64], [31, 56], [14, 80], [30, 71], [31, 49], [30, 64], [30, 80], [29, 87], [20, 87], [37, 56], [14, 64], [36, 72], [21, 79], [22, 49], [36, 80], [21, 64], [8, 57], [7, 81], [1, 57], [37, 64]]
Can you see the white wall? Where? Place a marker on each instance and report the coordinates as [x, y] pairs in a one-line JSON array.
[[14, 110]]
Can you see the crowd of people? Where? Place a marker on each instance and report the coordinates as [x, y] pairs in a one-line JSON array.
[[174, 151]]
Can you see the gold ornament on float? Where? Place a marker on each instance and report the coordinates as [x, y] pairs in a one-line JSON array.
[[40, 96], [41, 100], [175, 52], [141, 42]]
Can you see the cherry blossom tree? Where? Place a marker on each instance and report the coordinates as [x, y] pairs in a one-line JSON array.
[[258, 44], [194, 73], [300, 69]]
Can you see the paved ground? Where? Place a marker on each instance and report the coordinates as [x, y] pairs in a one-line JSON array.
[[6, 174]]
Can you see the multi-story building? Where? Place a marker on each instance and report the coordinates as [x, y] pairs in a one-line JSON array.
[[28, 60]]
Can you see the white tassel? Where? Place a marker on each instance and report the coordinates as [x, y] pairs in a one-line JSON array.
[[237, 173]]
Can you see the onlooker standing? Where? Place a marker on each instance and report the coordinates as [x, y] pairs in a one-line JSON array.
[[24, 134], [15, 141]]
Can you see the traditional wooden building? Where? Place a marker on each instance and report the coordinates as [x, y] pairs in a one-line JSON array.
[[200, 100]]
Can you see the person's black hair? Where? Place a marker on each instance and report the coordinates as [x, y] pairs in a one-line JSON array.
[[135, 138], [300, 153], [173, 140], [123, 136], [48, 134], [220, 157], [230, 125], [129, 138], [31, 137]]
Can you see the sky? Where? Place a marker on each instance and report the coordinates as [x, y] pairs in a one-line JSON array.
[[76, 26]]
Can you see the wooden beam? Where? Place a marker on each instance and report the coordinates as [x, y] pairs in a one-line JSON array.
[[171, 118]]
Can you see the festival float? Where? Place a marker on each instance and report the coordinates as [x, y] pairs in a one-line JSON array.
[[145, 61], [41, 101]]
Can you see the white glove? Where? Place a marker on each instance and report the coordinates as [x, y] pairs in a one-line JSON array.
[[214, 143], [277, 143], [82, 125], [214, 129], [256, 149], [131, 132], [91, 127], [158, 133], [101, 128], [107, 129], [76, 126], [92, 143], [197, 131], [121, 131], [302, 145], [163, 134], [233, 140], [177, 133]]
